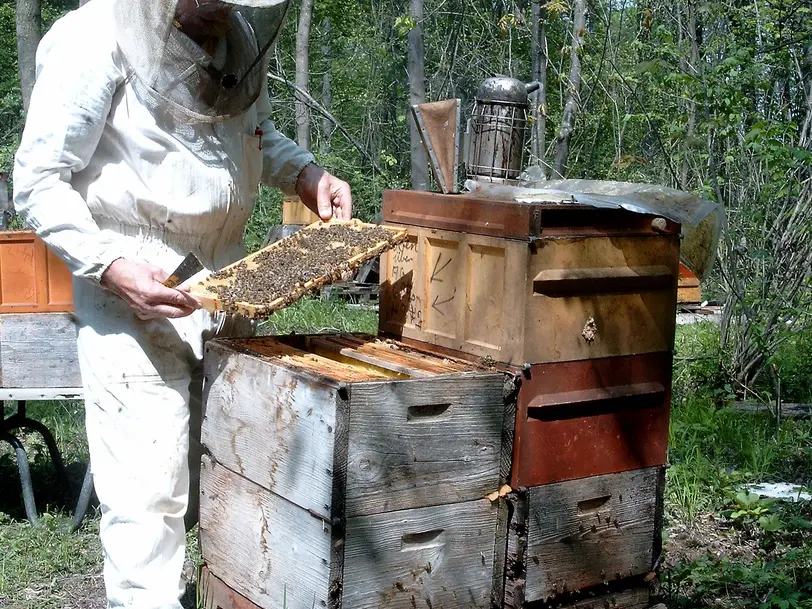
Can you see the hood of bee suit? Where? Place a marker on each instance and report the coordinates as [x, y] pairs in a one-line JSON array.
[[201, 60]]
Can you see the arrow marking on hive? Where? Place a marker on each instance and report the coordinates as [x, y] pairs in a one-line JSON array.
[[436, 270], [437, 302]]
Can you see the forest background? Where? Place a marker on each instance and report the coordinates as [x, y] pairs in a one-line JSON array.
[[712, 97]]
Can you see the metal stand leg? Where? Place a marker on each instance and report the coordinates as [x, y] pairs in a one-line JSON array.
[[19, 420], [84, 501], [25, 476]]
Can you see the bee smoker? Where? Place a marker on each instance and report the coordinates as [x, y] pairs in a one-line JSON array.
[[498, 130]]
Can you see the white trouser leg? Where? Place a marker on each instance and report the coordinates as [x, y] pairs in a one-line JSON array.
[[138, 437], [137, 388]]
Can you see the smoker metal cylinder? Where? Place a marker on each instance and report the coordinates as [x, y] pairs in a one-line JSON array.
[[498, 129]]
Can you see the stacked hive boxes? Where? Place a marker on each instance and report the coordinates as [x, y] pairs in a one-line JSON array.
[[36, 310], [580, 302], [350, 472]]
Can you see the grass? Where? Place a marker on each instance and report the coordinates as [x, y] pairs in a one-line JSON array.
[[48, 568], [753, 553], [316, 316], [724, 549], [45, 567]]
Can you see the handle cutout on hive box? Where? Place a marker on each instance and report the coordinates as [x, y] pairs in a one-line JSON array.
[[583, 402], [578, 282], [426, 411], [590, 506], [411, 542]]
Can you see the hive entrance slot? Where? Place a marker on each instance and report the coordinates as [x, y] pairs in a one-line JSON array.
[[588, 506], [412, 542], [428, 411]]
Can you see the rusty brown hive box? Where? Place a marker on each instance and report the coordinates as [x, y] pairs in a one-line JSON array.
[[523, 283], [588, 418]]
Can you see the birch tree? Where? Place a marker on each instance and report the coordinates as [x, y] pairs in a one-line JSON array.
[[573, 89], [303, 73], [29, 32], [417, 95]]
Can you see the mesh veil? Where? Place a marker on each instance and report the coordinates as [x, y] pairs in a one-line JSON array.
[[175, 73]]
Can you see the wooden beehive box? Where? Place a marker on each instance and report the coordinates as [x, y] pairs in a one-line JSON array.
[[350, 472], [585, 538], [690, 289], [528, 283], [32, 278], [591, 417], [295, 213]]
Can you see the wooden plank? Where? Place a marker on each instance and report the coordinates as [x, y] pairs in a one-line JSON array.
[[432, 557], [44, 393], [637, 598], [457, 291], [32, 278], [39, 350], [467, 213], [263, 546], [424, 442], [203, 291], [790, 411], [392, 356], [424, 361], [597, 417], [269, 349], [215, 594], [587, 532], [516, 555], [475, 294], [267, 423]]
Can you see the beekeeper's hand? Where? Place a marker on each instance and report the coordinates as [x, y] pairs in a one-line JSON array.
[[324, 194], [141, 286]]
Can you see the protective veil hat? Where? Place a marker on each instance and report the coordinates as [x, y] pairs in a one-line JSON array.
[[203, 61]]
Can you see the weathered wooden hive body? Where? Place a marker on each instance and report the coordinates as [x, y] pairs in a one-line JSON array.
[[580, 302], [349, 472], [353, 473], [523, 283]]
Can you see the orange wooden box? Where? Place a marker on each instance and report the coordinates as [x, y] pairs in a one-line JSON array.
[[32, 278], [689, 289]]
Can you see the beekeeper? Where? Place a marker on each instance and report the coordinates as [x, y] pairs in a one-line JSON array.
[[146, 139]]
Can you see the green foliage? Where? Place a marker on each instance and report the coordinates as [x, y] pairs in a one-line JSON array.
[[11, 104], [267, 213], [315, 316], [781, 583], [36, 562], [714, 452], [794, 362]]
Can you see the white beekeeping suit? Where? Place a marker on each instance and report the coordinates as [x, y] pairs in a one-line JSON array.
[[142, 145]]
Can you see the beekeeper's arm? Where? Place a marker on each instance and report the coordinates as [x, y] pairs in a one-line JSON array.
[[77, 76], [293, 169]]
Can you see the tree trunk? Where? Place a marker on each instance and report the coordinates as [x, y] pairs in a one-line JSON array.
[[805, 139], [29, 32], [539, 98], [573, 90], [689, 66], [326, 83], [302, 73], [417, 95]]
